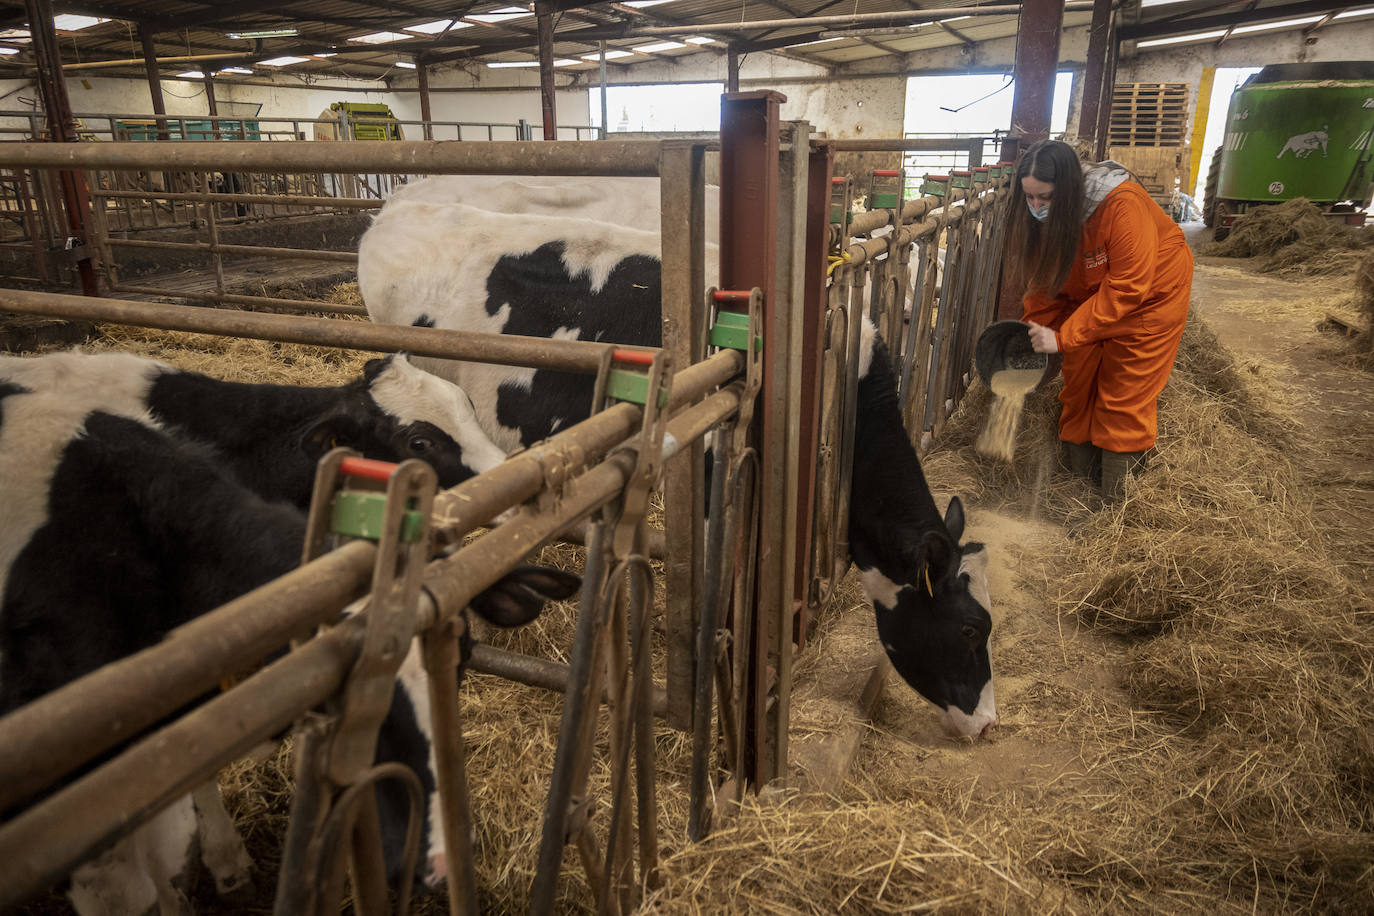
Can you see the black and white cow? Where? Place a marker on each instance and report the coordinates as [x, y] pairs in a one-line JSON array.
[[139, 497], [437, 256]]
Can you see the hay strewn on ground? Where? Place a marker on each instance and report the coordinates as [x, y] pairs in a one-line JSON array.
[[242, 359], [1234, 771], [1231, 770], [1364, 302], [1293, 239]]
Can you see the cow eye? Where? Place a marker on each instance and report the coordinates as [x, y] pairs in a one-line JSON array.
[[970, 633], [421, 444]]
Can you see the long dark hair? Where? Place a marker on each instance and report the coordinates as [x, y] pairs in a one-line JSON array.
[[1040, 255]]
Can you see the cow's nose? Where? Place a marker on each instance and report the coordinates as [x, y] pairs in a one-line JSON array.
[[987, 729]]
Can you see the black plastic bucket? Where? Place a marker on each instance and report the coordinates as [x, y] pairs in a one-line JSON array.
[[1006, 345]]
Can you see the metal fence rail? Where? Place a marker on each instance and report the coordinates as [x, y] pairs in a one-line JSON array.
[[924, 270], [139, 200], [40, 745]]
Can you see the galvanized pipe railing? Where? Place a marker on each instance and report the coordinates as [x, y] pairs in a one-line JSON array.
[[402, 157], [232, 197], [117, 701], [121, 794], [568, 355]]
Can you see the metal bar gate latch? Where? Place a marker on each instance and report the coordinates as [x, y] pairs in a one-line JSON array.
[[388, 503]]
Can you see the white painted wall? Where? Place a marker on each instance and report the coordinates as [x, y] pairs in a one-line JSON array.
[[503, 104], [1177, 63], [865, 99]]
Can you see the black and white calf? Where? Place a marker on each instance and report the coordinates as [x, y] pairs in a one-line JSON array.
[[139, 497], [437, 257], [931, 619], [574, 258]]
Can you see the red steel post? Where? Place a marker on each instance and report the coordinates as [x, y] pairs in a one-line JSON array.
[[1095, 71], [1037, 57], [61, 129], [749, 146], [422, 76]]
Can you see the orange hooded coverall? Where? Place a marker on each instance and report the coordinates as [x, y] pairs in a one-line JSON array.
[[1118, 320]]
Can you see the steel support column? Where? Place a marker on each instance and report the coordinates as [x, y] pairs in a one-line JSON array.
[[211, 106], [422, 78], [749, 145], [1104, 111], [732, 68], [145, 37], [605, 120], [1095, 73], [813, 336], [543, 14], [682, 177], [61, 129], [1037, 56]]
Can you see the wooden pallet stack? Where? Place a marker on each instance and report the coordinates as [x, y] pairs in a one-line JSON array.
[[1148, 114], [1147, 134]]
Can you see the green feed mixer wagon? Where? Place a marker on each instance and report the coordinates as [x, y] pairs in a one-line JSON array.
[[1296, 130]]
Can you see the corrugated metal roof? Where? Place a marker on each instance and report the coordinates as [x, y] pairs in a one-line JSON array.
[[327, 31]]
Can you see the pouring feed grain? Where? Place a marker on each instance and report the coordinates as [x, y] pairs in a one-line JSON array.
[[1010, 387]]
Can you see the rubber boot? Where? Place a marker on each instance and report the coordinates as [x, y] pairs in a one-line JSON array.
[[1084, 460], [1116, 467]]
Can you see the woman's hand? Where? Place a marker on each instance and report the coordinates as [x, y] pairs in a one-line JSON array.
[[1042, 338]]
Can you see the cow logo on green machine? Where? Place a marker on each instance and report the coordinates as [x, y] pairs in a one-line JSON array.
[[1304, 145]]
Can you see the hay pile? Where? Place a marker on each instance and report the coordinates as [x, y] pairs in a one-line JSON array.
[[242, 359], [1229, 767], [1248, 770], [1293, 239], [1364, 300]]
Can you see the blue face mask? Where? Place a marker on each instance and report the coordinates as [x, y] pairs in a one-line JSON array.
[[1041, 213]]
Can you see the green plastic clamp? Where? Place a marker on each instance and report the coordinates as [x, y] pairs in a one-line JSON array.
[[731, 331], [959, 179], [934, 185], [624, 385], [882, 201], [361, 514]]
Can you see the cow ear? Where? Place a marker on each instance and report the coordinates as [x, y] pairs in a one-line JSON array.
[[519, 596], [331, 433], [938, 556], [374, 367], [954, 519]]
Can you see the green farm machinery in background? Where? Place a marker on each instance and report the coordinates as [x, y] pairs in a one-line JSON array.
[[365, 121], [1296, 130]]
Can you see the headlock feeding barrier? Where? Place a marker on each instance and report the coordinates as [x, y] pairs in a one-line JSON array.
[[765, 355]]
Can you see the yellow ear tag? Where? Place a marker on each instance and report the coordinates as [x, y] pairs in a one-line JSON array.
[[930, 591]]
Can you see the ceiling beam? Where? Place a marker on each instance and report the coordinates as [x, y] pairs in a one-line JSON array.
[[218, 12], [725, 39], [886, 49], [770, 44], [1173, 27], [1316, 26], [1230, 28], [955, 33]]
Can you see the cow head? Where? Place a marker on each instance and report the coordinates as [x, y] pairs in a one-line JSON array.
[[934, 622], [405, 412]]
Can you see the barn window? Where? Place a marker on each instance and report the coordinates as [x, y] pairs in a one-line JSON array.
[[676, 107]]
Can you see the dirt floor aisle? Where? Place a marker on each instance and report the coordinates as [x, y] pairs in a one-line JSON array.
[[1078, 782]]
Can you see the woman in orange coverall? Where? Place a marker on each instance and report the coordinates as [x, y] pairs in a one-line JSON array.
[[1107, 277]]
